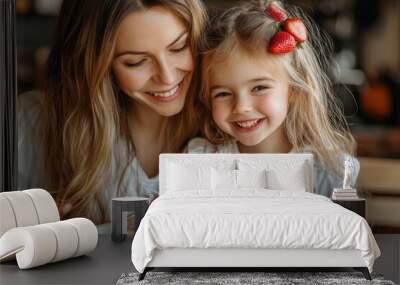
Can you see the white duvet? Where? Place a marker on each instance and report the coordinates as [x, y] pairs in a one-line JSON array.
[[251, 218]]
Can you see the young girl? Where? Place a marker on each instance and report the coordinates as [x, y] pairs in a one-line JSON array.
[[121, 79], [264, 93]]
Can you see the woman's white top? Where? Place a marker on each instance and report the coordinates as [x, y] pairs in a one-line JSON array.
[[31, 157], [324, 181]]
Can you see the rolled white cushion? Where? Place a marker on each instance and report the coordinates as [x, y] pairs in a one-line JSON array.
[[66, 238], [26, 208], [40, 244], [45, 205], [33, 246], [87, 235], [7, 218], [23, 208]]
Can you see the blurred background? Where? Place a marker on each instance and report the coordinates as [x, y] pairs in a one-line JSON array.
[[366, 35], [365, 69]]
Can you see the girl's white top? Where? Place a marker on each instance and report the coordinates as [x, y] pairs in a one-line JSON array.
[[324, 181], [31, 157]]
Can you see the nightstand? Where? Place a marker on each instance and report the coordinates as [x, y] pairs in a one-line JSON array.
[[356, 205], [120, 207]]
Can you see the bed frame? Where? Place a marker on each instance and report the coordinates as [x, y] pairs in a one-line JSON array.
[[248, 259], [259, 259]]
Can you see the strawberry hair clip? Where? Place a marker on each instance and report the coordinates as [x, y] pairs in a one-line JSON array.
[[291, 31]]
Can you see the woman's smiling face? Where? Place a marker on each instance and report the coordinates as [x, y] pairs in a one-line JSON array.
[[153, 62]]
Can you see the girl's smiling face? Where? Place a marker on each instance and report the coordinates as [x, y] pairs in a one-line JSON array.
[[249, 97], [153, 61]]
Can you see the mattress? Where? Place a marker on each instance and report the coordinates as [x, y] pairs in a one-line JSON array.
[[253, 219]]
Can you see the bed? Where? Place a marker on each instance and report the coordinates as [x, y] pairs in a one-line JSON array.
[[246, 211]]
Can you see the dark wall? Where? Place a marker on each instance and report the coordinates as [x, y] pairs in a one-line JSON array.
[[8, 155]]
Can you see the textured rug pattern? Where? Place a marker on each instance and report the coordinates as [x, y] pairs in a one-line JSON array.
[[268, 278]]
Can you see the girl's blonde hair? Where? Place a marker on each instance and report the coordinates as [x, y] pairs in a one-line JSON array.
[[87, 113], [314, 118]]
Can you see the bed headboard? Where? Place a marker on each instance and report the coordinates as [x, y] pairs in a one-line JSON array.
[[284, 165]]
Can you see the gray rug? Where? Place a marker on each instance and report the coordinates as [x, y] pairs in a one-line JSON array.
[[269, 278]]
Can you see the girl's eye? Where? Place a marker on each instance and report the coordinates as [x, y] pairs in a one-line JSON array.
[[135, 64], [186, 45], [259, 88], [221, 94]]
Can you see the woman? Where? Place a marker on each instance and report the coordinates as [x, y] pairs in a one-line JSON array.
[[121, 79]]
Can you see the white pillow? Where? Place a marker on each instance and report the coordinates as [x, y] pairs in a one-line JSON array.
[[188, 177], [251, 178], [228, 179], [224, 179], [295, 180], [288, 174]]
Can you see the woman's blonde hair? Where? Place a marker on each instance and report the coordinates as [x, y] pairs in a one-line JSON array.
[[314, 118], [87, 113]]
